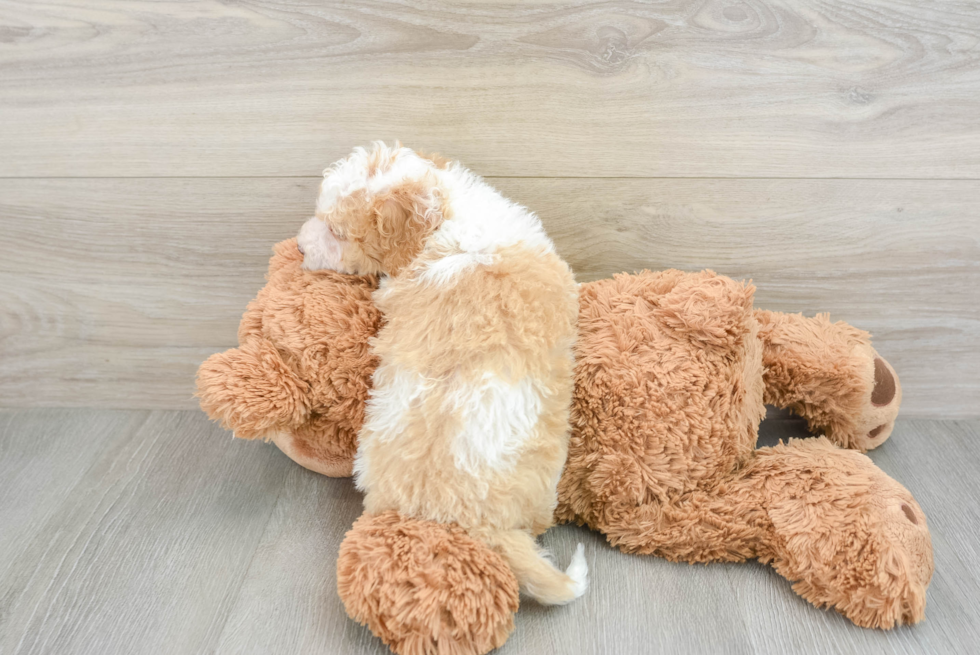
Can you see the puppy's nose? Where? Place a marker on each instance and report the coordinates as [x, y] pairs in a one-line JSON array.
[[300, 248]]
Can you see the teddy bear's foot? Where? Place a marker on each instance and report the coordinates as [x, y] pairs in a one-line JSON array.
[[304, 453], [829, 374], [844, 533], [321, 444], [424, 587], [847, 535], [880, 407]]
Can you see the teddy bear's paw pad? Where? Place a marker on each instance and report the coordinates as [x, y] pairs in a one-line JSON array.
[[885, 384], [877, 432], [875, 421], [318, 460]]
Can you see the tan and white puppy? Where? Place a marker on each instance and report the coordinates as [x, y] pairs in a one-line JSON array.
[[467, 422]]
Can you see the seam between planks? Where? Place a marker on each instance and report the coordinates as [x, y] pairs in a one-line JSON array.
[[220, 633]]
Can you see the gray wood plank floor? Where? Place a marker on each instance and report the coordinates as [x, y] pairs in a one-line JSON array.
[[154, 532]]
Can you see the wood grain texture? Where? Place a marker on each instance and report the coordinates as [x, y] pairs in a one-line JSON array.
[[147, 550], [169, 537], [113, 291], [760, 88], [43, 457], [294, 574]]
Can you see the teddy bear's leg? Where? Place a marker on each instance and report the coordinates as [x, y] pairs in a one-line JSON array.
[[828, 519], [424, 587], [829, 374], [847, 535], [251, 391], [727, 523]]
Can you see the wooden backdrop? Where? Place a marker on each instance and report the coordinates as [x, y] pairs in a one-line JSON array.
[[152, 152]]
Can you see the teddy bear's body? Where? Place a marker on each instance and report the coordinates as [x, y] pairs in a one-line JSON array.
[[672, 373]]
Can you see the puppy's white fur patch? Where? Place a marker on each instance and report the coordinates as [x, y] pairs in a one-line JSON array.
[[578, 570], [444, 271], [485, 221], [351, 174], [397, 390], [498, 418]]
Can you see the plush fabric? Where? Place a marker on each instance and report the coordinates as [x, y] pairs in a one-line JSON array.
[[301, 373], [822, 371], [423, 587], [672, 370]]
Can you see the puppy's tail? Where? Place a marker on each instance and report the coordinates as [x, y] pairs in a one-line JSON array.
[[537, 576]]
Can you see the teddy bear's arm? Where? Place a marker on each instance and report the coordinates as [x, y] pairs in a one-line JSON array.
[[251, 391], [829, 374]]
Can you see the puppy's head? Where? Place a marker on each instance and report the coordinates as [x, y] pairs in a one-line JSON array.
[[374, 212]]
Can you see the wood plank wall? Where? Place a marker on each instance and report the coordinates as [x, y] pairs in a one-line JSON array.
[[151, 153]]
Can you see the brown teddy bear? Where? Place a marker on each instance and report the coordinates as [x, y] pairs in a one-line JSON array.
[[672, 373]]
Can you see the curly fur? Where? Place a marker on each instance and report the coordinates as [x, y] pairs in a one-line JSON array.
[[467, 420]]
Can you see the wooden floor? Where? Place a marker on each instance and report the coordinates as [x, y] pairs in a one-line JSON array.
[[155, 532]]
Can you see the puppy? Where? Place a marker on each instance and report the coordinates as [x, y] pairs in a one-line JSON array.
[[467, 422]]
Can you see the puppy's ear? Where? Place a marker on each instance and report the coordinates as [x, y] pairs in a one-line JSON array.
[[404, 217]]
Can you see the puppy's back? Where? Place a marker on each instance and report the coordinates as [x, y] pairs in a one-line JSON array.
[[474, 386], [468, 420]]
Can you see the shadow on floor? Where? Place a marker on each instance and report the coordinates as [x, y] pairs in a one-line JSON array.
[[781, 425]]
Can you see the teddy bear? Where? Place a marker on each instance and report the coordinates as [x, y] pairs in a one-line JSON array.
[[673, 371]]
